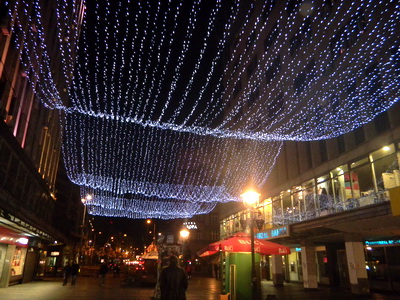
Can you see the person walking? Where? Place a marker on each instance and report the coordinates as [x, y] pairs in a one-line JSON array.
[[189, 270], [67, 273], [102, 272], [74, 272], [173, 281]]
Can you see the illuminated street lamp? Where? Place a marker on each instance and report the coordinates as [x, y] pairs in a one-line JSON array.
[[250, 201], [148, 221], [184, 234], [84, 200]]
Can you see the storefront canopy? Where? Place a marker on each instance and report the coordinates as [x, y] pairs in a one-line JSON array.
[[241, 242]]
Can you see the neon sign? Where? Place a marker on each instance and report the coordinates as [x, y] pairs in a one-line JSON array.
[[273, 233]]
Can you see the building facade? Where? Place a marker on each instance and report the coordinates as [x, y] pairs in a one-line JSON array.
[[37, 49], [333, 200]]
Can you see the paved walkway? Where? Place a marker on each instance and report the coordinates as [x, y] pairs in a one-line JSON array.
[[200, 288], [87, 288]]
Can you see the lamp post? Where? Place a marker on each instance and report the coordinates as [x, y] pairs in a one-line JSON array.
[[250, 200], [84, 200], [184, 234]]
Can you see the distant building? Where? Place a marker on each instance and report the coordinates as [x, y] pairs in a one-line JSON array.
[[37, 49], [333, 201]]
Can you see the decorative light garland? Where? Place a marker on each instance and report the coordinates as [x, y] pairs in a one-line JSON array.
[[150, 116]]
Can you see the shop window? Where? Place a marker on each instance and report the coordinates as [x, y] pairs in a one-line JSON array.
[[377, 265], [309, 199], [325, 195], [18, 261], [362, 181], [295, 212], [277, 211], [383, 152], [287, 206], [341, 185], [322, 263], [387, 172]]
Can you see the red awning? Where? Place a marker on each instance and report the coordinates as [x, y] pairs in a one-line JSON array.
[[241, 242]]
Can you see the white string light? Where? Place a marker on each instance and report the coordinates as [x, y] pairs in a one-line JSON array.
[[152, 115]]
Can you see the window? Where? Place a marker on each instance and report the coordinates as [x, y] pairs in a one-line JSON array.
[[362, 180], [386, 168], [277, 211], [214, 235], [341, 184]]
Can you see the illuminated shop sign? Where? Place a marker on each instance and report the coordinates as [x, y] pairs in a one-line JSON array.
[[190, 225], [273, 233], [55, 253], [382, 243]]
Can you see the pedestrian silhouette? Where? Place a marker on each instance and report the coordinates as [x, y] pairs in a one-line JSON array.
[[189, 270], [173, 281], [74, 272], [102, 273], [67, 273]]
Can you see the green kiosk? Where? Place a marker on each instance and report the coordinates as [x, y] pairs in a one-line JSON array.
[[236, 274], [235, 262]]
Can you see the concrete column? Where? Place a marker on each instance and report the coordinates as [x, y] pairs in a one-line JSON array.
[[5, 274], [277, 270], [309, 264], [356, 264]]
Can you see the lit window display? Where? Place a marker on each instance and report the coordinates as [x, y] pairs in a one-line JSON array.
[[18, 261]]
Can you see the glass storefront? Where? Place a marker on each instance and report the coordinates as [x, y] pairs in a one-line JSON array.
[[383, 267], [363, 181]]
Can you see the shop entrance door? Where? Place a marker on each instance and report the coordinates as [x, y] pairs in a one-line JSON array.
[[343, 269]]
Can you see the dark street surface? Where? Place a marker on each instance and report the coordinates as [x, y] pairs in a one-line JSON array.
[[200, 288]]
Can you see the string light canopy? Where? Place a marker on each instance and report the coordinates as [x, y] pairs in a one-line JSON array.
[[154, 113], [106, 203], [152, 162]]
